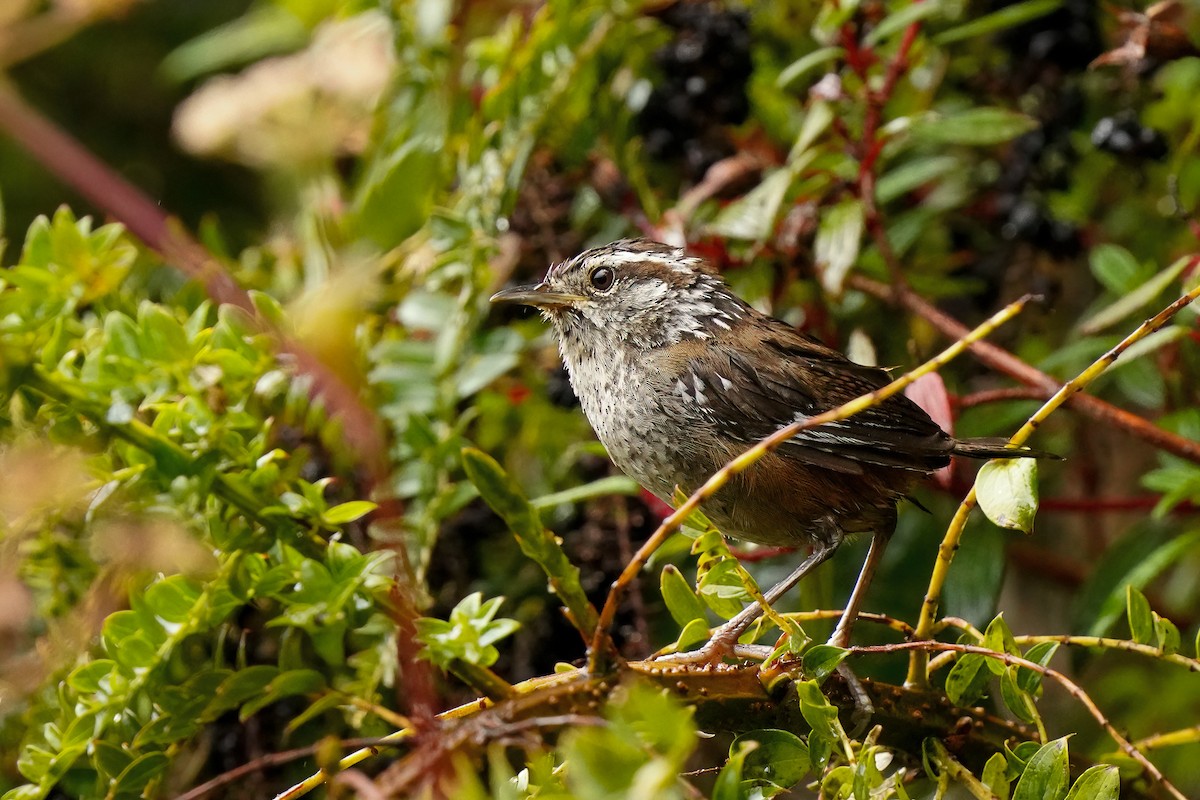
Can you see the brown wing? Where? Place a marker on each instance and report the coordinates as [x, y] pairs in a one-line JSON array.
[[748, 401]]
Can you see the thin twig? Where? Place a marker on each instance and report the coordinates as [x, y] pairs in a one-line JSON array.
[[266, 762], [1003, 395], [748, 458]]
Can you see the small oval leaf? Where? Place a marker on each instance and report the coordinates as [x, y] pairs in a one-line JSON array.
[[1007, 491]]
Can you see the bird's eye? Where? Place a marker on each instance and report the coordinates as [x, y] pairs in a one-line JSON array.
[[602, 278]]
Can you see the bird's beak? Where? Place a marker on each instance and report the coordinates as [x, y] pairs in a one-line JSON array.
[[540, 296]]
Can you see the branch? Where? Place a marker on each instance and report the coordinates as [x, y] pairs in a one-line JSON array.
[[731, 699]]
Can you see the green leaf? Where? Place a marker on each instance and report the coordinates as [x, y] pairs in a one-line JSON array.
[[977, 127], [998, 637], [347, 512], [1030, 680], [779, 759], [287, 684], [137, 775], [258, 33], [692, 633], [1007, 17], [1141, 618], [1098, 782], [722, 588], [967, 679], [1133, 300], [818, 119], [396, 192], [901, 180], [110, 759], [729, 784], [839, 237], [1018, 701], [899, 20], [806, 64], [683, 603], [995, 776], [469, 633], [1115, 268], [173, 599], [500, 492], [601, 487], [1007, 490], [822, 717], [752, 217], [269, 309], [1143, 553], [240, 687], [819, 661], [122, 336], [86, 679], [34, 762], [1167, 635], [1046, 775]]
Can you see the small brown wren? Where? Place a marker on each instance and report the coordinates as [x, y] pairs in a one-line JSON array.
[[678, 375]]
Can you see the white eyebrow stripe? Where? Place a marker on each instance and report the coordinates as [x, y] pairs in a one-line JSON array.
[[631, 257]]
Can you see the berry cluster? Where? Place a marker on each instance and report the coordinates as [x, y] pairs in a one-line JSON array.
[[704, 71], [1038, 162], [1067, 38], [1047, 52], [1123, 135]]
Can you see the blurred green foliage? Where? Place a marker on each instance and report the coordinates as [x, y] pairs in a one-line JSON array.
[[198, 542]]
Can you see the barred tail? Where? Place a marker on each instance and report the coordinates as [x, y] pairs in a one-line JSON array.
[[997, 448]]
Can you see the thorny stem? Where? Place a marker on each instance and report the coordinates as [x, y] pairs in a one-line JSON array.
[[1071, 687], [919, 661], [598, 650], [1101, 642]]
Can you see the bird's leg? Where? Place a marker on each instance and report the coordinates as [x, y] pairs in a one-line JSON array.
[[722, 642], [841, 634]]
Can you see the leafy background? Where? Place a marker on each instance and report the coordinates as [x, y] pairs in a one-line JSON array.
[[232, 439]]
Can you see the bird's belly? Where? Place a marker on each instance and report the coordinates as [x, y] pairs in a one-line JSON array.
[[626, 414]]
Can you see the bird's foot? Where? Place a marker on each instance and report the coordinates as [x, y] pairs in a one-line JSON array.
[[715, 651], [864, 709], [723, 644]]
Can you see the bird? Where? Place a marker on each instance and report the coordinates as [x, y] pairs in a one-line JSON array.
[[677, 375]]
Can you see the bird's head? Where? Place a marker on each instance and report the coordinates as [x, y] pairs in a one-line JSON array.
[[632, 293]]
